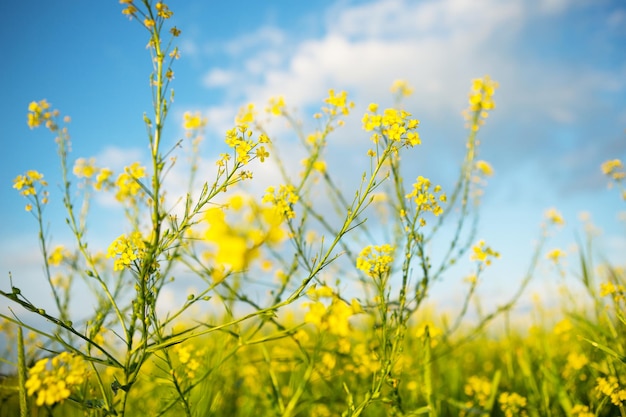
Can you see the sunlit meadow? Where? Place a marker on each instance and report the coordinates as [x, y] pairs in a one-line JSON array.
[[311, 298]]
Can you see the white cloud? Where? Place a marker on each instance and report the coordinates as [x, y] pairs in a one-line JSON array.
[[219, 78]]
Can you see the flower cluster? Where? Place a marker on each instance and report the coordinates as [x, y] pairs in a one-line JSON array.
[[283, 200], [127, 250], [554, 217], [87, 169], [376, 261], [480, 101], [189, 359], [84, 168], [478, 388], [39, 112], [26, 183], [276, 106], [484, 168], [27, 186], [426, 200], [338, 104], [334, 318], [238, 138], [555, 255], [401, 88], [580, 410], [54, 384], [393, 125], [193, 121], [614, 169], [57, 255], [512, 404], [127, 183], [618, 292], [237, 244], [483, 253], [611, 388]]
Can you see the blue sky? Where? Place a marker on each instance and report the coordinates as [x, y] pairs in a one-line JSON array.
[[561, 106]]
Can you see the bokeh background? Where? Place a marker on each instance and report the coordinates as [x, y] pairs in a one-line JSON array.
[[561, 105]]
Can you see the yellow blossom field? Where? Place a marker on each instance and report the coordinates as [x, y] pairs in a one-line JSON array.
[[310, 298]]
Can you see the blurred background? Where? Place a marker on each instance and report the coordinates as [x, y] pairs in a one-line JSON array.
[[560, 109]]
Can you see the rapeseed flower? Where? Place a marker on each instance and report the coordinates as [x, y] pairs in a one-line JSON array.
[[283, 199], [512, 404], [127, 183], [127, 250], [614, 168], [401, 88], [52, 380], [611, 388], [26, 183], [483, 253], [426, 200], [376, 261], [479, 389], [193, 121], [84, 168], [554, 217], [555, 255]]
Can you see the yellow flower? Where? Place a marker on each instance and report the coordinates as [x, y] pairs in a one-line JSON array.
[[261, 153], [484, 168], [577, 361], [334, 319], [376, 261], [53, 379], [102, 179], [192, 121], [126, 250], [84, 168], [338, 103], [58, 254], [555, 255], [553, 216], [402, 88], [512, 404], [128, 182], [610, 387], [276, 106], [424, 199], [38, 112], [613, 168], [480, 101], [478, 388], [25, 184], [283, 200], [163, 11], [581, 411], [245, 115], [483, 253]]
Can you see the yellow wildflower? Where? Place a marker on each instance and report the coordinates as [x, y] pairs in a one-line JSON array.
[[126, 250], [401, 88], [611, 388], [483, 254], [25, 184], [554, 217], [128, 182], [376, 261], [555, 255], [85, 168], [512, 404], [58, 254], [484, 168], [52, 380]]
